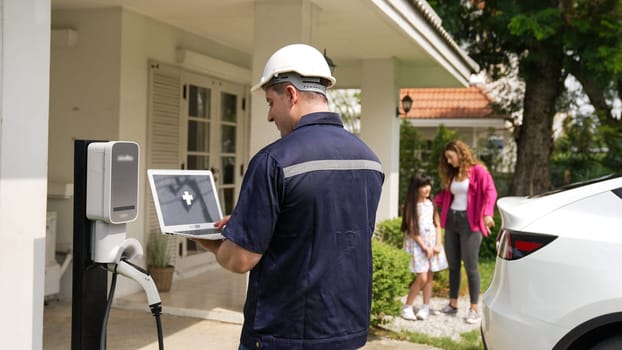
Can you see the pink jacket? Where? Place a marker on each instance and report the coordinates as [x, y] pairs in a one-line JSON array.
[[481, 198]]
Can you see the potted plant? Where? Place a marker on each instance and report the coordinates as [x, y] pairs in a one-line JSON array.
[[159, 262]]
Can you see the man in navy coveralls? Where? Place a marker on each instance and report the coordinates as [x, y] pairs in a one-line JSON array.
[[304, 220]]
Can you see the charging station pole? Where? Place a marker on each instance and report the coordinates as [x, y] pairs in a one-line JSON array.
[[89, 280]]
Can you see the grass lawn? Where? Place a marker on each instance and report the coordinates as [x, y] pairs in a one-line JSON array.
[[468, 341], [486, 270]]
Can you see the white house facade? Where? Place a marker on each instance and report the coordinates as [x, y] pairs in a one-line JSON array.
[[174, 76]]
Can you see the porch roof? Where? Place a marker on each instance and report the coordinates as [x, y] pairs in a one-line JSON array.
[[350, 31]]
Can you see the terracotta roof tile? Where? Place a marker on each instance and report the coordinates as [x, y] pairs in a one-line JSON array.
[[431, 103]]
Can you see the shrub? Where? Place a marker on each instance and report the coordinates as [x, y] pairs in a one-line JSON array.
[[390, 281], [389, 231]]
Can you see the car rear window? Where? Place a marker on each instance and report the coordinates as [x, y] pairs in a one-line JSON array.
[[579, 184]]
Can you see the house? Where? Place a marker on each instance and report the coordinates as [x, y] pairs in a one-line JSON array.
[[468, 111], [174, 76]]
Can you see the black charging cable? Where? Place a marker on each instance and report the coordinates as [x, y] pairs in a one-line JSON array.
[[104, 329], [156, 309]]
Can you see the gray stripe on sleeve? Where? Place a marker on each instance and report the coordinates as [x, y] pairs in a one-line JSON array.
[[332, 164]]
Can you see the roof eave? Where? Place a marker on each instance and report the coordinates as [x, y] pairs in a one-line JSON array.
[[419, 22]]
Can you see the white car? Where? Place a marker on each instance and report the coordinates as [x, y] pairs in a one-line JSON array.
[[558, 275]]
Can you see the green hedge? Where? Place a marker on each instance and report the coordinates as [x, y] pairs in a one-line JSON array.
[[390, 232], [391, 278]]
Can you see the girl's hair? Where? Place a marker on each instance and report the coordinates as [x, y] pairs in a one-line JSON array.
[[466, 160], [410, 215]]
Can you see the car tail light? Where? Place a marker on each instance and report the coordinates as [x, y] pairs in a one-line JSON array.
[[514, 245]]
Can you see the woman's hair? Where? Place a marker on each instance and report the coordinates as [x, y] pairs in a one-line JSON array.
[[410, 215], [466, 160]]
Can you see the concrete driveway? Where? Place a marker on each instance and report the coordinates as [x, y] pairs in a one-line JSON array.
[[136, 330]]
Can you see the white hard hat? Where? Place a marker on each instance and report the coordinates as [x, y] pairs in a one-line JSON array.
[[308, 64]]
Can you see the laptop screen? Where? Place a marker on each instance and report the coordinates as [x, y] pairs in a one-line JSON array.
[[185, 198]]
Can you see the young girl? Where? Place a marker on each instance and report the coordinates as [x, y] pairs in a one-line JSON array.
[[422, 239]]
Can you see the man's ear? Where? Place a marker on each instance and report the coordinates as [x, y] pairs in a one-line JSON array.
[[292, 94]]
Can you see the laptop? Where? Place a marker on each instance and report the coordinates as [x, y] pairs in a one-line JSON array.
[[186, 202]]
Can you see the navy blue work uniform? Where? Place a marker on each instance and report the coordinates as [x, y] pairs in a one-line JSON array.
[[308, 205]]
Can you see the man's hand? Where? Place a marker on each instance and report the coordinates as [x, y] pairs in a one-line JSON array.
[[228, 254], [213, 245], [209, 244], [220, 224]]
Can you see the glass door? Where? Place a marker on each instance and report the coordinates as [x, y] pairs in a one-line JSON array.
[[212, 132], [198, 125], [227, 177]]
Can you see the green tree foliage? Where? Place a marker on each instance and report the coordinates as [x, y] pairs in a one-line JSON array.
[[417, 155], [550, 39], [441, 138], [594, 46], [411, 144], [588, 146], [580, 152]]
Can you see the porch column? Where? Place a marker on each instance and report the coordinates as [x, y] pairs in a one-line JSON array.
[[380, 127], [277, 23], [24, 94]]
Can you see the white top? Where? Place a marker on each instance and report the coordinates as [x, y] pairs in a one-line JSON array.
[[459, 189]]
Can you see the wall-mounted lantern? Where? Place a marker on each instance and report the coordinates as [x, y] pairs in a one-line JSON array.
[[407, 103]]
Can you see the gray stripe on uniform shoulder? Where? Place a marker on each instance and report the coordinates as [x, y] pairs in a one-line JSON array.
[[331, 164]]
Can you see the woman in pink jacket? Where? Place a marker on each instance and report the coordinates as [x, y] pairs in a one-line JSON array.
[[466, 203]]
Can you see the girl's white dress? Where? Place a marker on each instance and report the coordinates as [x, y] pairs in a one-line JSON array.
[[420, 262]]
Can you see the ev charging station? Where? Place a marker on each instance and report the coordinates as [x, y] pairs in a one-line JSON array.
[[105, 199]]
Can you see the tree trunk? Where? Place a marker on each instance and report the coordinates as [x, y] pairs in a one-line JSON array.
[[542, 75]]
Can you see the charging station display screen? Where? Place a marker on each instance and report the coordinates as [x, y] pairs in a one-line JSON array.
[[124, 174], [186, 199]]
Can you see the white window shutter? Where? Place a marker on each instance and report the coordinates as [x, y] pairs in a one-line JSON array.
[[164, 103]]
